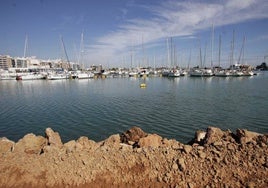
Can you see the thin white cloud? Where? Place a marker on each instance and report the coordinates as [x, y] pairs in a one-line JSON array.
[[174, 18], [259, 38]]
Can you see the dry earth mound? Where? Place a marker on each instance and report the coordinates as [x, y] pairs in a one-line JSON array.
[[214, 158]]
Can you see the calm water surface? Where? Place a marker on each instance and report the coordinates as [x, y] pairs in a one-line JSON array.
[[172, 108]]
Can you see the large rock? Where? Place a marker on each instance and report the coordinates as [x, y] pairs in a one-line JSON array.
[[187, 148], [85, 143], [132, 135], [171, 143], [79, 145], [213, 135], [113, 141], [6, 145], [262, 140], [54, 138], [200, 136], [152, 140], [181, 164], [30, 144], [245, 136], [70, 146]]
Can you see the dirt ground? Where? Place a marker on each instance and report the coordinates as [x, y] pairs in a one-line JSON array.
[[214, 158]]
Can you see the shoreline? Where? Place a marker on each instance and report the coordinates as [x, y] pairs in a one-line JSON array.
[[136, 159]]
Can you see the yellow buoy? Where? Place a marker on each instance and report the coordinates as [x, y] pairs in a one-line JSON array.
[[143, 85]]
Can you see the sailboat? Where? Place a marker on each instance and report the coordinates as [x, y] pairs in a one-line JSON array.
[[204, 72], [171, 71], [82, 74], [29, 75], [57, 76], [219, 71]]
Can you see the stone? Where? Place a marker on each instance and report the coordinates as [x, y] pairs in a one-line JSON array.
[[200, 135], [134, 134], [175, 166], [51, 149], [187, 148], [231, 147], [191, 185], [138, 150], [54, 138], [181, 164], [171, 143], [70, 146], [113, 141], [152, 140], [251, 185], [202, 154], [31, 144], [265, 164], [200, 147], [246, 136], [213, 135], [85, 143], [125, 147], [6, 145], [262, 140], [85, 163], [217, 143]]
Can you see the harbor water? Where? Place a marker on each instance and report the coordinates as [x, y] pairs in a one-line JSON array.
[[97, 108]]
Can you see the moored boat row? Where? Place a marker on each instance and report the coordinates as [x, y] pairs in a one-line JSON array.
[[206, 72], [170, 73], [45, 75]]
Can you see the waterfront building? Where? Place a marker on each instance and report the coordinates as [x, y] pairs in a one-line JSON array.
[[20, 62], [5, 62]]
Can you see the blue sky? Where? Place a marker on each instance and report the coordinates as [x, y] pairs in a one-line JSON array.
[[115, 30]]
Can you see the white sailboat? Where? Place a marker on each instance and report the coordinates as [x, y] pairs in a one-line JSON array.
[[57, 76], [84, 75], [31, 76], [5, 75]]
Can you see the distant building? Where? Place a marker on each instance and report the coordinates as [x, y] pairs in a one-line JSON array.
[[20, 62], [5, 62], [96, 69]]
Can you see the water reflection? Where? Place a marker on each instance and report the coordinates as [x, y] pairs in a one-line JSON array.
[[173, 108]]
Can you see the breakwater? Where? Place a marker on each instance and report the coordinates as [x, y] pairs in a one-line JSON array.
[[134, 158]]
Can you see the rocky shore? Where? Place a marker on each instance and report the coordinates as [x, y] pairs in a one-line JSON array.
[[214, 158]]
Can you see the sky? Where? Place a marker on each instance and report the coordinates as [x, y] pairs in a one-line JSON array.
[[130, 33]]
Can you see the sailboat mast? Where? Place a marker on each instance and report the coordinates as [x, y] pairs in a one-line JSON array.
[[143, 54], [205, 56], [212, 45], [171, 53], [200, 56], [25, 46], [154, 62], [219, 50], [131, 56], [81, 51], [190, 57], [232, 52], [243, 52], [168, 54], [63, 45], [174, 56]]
